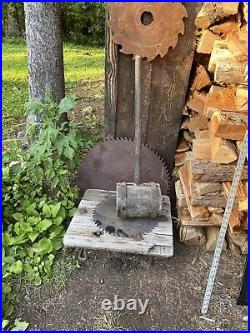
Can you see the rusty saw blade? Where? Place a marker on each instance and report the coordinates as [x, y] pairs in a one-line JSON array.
[[146, 29], [112, 161], [104, 216]]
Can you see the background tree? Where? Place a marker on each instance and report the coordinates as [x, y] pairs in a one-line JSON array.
[[13, 19], [83, 22], [45, 49]]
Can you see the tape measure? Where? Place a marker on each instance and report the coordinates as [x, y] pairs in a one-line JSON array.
[[224, 224]]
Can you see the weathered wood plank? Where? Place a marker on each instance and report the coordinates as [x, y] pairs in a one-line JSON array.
[[164, 85], [111, 51], [83, 232]]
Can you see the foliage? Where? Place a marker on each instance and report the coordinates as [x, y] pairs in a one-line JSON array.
[[81, 64], [38, 196], [17, 326], [12, 19], [65, 264], [83, 22]]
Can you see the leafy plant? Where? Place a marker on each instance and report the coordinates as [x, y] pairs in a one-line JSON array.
[[38, 196]]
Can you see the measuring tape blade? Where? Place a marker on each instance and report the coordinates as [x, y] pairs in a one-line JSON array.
[[224, 224]]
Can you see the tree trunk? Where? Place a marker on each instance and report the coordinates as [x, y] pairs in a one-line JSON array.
[[45, 49], [11, 28]]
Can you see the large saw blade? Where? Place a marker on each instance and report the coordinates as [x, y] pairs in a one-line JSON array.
[[146, 29], [105, 217], [112, 162]]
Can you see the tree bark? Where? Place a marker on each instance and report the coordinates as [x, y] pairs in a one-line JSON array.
[[45, 49], [12, 21]]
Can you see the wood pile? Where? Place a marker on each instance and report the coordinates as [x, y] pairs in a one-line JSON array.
[[215, 120]]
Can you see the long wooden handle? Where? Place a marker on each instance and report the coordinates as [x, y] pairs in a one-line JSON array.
[[137, 119]]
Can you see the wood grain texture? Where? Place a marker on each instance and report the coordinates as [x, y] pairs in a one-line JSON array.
[[111, 52], [206, 171], [164, 85]]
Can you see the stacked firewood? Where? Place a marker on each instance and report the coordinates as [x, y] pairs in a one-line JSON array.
[[213, 128]]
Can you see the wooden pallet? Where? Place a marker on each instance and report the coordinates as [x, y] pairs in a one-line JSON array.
[[83, 232]]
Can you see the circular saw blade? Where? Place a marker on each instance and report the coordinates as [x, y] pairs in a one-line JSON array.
[[146, 38], [112, 161], [105, 217]]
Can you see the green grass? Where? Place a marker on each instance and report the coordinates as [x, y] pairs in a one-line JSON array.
[[81, 63]]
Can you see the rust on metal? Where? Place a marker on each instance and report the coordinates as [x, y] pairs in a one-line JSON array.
[[146, 29], [112, 162]]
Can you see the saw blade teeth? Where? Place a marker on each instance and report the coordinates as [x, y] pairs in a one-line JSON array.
[[110, 230], [134, 41], [89, 166]]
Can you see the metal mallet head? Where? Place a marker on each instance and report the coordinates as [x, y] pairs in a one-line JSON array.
[[142, 200]]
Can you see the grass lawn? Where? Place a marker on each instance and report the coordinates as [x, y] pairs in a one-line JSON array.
[[81, 63]]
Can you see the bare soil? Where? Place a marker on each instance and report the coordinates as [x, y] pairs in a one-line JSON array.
[[174, 286]]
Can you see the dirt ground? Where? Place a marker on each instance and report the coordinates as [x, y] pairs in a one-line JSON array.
[[174, 286]]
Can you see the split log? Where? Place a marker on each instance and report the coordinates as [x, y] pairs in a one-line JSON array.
[[239, 145], [238, 46], [214, 11], [186, 220], [212, 200], [181, 158], [195, 212], [227, 128], [245, 221], [243, 33], [192, 236], [215, 210], [201, 79], [196, 102], [224, 28], [201, 149], [206, 171], [204, 134], [245, 186], [235, 220], [220, 53], [237, 242], [206, 188], [189, 136], [242, 99], [211, 236], [224, 99], [243, 205], [245, 11], [195, 123], [222, 151], [215, 219], [230, 72], [206, 42], [210, 112], [182, 144], [240, 195], [181, 200]]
